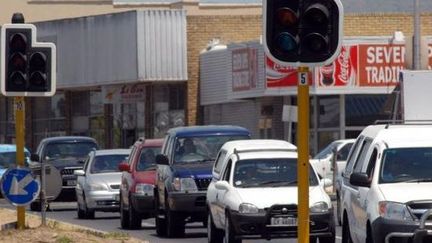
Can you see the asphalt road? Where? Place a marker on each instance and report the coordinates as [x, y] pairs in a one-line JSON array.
[[195, 233]]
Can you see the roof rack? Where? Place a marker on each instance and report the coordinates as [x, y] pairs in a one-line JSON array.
[[402, 122], [236, 151]]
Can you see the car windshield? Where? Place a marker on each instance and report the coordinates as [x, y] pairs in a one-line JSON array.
[[107, 163], [269, 173], [9, 158], [147, 160], [327, 151], [69, 149], [201, 149], [406, 165]]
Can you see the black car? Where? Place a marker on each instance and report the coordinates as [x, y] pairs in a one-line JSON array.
[[66, 154]]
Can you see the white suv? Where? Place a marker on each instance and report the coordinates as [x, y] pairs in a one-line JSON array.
[[386, 185], [253, 194]]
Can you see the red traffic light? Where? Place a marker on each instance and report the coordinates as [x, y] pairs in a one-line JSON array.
[[18, 43], [287, 17]]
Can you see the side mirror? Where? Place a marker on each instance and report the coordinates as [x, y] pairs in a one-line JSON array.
[[222, 185], [161, 159], [123, 166], [79, 172], [34, 157], [360, 179]]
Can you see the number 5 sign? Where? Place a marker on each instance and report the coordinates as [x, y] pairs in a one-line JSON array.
[[303, 78]]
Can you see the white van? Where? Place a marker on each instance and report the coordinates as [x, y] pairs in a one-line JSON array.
[[386, 185]]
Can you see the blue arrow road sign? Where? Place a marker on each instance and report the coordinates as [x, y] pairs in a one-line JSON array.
[[19, 187]]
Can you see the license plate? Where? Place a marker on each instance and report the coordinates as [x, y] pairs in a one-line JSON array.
[[71, 182], [284, 221]]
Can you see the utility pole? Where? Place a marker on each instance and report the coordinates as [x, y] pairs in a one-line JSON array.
[[417, 37]]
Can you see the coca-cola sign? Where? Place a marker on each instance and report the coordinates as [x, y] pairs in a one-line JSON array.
[[278, 76]]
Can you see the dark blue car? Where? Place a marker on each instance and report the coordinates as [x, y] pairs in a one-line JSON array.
[[184, 173]]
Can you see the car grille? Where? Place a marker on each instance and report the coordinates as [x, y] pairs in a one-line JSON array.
[[284, 209], [68, 171], [115, 186], [202, 183], [418, 208]]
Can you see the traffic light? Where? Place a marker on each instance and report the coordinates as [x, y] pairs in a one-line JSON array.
[[302, 32], [28, 67]]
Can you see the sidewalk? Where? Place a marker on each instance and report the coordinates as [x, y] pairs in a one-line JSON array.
[[55, 231]]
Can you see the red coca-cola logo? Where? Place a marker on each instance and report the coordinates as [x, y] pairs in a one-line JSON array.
[[327, 70], [344, 64]]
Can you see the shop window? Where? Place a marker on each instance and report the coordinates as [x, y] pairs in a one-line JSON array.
[[328, 111], [169, 103], [364, 110]]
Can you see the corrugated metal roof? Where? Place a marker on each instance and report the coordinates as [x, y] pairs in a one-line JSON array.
[[350, 6]]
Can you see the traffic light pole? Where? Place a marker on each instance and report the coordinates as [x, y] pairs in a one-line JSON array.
[[303, 154], [19, 109]]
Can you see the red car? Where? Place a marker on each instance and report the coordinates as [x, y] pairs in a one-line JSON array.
[[137, 183]]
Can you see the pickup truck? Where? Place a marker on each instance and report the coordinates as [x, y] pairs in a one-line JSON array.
[[184, 171]]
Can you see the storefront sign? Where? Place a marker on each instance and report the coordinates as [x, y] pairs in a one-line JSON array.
[[244, 69], [127, 93], [278, 76]]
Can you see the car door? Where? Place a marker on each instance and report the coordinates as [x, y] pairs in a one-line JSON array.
[[126, 179], [163, 171], [355, 210], [220, 195], [81, 180], [211, 190], [363, 193]]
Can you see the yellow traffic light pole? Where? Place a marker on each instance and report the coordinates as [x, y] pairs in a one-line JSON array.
[[19, 108], [303, 155]]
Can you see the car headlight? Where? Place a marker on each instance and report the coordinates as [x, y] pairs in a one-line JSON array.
[[394, 210], [97, 187], [144, 189], [319, 207], [185, 184], [248, 208]]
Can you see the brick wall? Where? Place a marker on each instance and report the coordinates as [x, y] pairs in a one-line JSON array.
[[201, 29]]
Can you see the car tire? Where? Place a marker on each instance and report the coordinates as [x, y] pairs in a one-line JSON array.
[[124, 215], [175, 226], [229, 236], [35, 206], [346, 235], [160, 221], [134, 217], [214, 235], [89, 213], [80, 212]]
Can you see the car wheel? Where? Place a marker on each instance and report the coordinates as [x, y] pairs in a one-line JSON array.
[[346, 235], [229, 232], [134, 217], [35, 206], [80, 212], [89, 213], [124, 216], [214, 235], [175, 226], [160, 221]]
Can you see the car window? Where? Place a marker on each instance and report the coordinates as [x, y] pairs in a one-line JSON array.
[[200, 149], [8, 159], [344, 151], [371, 165], [87, 161], [107, 163], [218, 164], [406, 165], [353, 155], [362, 155], [227, 171], [327, 151], [268, 173], [147, 159], [59, 150]]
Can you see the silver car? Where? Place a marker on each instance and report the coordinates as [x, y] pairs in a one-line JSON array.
[[98, 183]]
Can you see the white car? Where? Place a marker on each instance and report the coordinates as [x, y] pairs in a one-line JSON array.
[[98, 184], [322, 161], [253, 194], [386, 185]]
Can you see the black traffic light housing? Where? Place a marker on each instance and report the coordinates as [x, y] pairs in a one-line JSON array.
[[28, 67], [303, 32]]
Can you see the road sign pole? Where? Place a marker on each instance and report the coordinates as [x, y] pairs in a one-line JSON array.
[[303, 154], [19, 108]]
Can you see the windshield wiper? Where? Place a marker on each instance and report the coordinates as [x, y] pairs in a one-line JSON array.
[[420, 180], [278, 183]]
